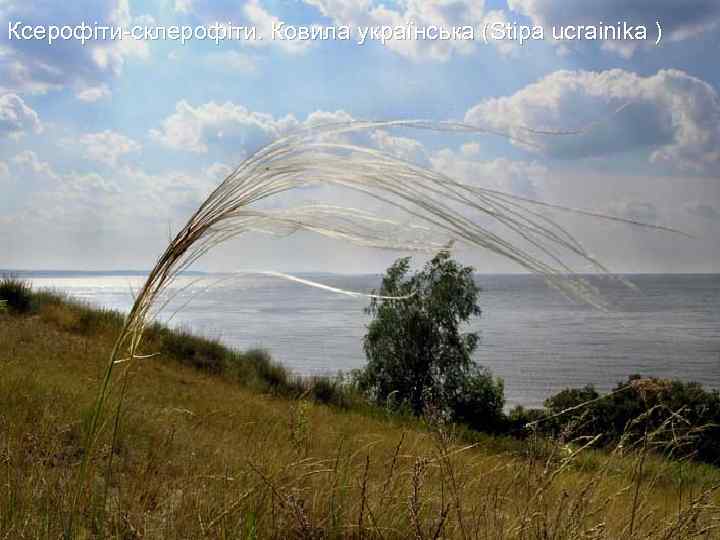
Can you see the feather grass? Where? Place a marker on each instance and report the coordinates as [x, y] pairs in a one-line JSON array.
[[444, 209]]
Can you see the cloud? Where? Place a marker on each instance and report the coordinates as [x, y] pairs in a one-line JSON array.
[[261, 19], [318, 118], [235, 129], [517, 177], [424, 13], [41, 173], [32, 66], [29, 161], [644, 212], [194, 129], [679, 21], [90, 183], [86, 218], [183, 6], [702, 210], [403, 147], [4, 170], [218, 171], [672, 114], [106, 147], [126, 197], [91, 94], [16, 118], [249, 13]]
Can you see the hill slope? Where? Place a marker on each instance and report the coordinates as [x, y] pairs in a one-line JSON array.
[[201, 456]]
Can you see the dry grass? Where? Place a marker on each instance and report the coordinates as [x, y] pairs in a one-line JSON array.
[[193, 456], [198, 457], [444, 211]]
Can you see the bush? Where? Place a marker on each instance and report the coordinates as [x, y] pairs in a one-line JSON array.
[[263, 369], [641, 405], [519, 418], [586, 420], [479, 401], [326, 390], [337, 391], [205, 354], [16, 293]]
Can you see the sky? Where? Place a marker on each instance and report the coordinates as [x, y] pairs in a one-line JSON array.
[[107, 146]]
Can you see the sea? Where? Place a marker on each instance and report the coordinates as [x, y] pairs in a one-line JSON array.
[[538, 341]]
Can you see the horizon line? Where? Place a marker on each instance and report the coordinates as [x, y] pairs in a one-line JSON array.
[[135, 272]]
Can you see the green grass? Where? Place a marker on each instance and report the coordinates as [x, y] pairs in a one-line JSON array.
[[253, 368], [15, 295], [216, 443]]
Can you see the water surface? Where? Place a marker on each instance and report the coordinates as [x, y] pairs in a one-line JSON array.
[[535, 339]]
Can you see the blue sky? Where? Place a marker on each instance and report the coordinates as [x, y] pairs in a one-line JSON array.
[[108, 146]]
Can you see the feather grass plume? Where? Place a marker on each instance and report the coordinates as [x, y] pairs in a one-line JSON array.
[[443, 211]]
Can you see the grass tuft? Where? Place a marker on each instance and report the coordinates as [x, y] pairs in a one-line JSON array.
[[15, 294]]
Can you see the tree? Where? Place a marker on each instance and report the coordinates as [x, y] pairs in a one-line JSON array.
[[416, 352]]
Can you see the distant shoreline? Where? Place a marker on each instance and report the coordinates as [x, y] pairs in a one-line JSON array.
[[139, 273]]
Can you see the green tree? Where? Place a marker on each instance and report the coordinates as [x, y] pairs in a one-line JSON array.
[[417, 354]]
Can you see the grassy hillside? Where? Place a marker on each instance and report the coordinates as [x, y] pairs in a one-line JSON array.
[[243, 451]]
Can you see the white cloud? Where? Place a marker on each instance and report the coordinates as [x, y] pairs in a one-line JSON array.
[[42, 173], [249, 13], [106, 146], [518, 177], [403, 147], [424, 13], [16, 118], [509, 47], [195, 128], [679, 21], [91, 94], [29, 161], [90, 183], [4, 170], [124, 198], [36, 67], [672, 114], [80, 218], [218, 171], [261, 19], [183, 6], [236, 129], [318, 118]]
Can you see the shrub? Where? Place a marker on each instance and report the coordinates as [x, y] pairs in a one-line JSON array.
[[92, 321], [644, 405], [16, 293], [263, 368], [479, 401], [519, 419], [586, 420], [336, 391], [203, 353]]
